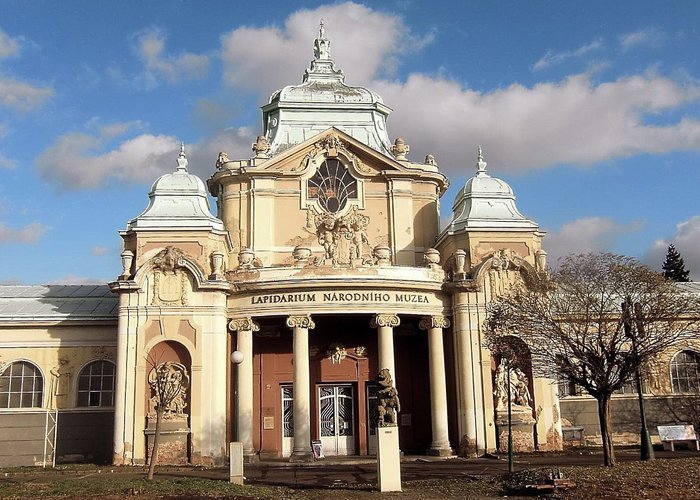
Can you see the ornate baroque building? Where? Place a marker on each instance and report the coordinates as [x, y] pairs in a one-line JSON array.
[[269, 322]]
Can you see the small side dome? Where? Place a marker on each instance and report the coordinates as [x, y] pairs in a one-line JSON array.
[[485, 203], [177, 201]]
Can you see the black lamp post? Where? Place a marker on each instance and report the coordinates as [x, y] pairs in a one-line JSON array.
[[646, 448]]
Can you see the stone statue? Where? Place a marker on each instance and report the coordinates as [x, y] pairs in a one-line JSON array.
[[327, 238], [388, 405], [169, 382], [359, 236], [223, 158], [520, 393]]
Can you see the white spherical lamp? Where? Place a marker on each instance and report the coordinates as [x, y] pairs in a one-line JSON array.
[[236, 357]]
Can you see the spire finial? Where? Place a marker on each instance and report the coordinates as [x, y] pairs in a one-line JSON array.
[[480, 163], [322, 46], [182, 159]]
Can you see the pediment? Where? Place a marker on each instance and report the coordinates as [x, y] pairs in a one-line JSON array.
[[304, 158]]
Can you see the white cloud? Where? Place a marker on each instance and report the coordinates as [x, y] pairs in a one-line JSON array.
[[31, 233], [573, 121], [364, 44], [652, 37], [8, 46], [150, 46], [551, 58], [588, 234], [79, 160], [100, 250], [76, 160], [21, 95], [687, 242]]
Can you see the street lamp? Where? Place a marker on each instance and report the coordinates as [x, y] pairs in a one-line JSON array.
[[236, 359], [646, 449]]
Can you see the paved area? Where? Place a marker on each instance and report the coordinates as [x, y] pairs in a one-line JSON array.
[[360, 472]]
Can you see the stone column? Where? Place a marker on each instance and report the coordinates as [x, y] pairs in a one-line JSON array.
[[467, 373], [440, 444], [302, 407], [385, 323], [244, 383], [123, 400]]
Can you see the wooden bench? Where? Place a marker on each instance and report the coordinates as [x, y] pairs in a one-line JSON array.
[[672, 434]]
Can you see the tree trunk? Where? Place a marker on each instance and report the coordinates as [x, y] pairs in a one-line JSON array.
[[606, 430], [156, 439]]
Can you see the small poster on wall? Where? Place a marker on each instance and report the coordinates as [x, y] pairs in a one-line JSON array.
[[317, 448]]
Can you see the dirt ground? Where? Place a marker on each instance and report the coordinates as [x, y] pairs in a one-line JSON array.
[[671, 476]]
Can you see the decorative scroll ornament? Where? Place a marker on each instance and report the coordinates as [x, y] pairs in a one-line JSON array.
[[391, 320], [361, 351], [260, 147], [169, 259], [429, 322], [332, 146], [388, 404], [169, 280], [336, 353], [505, 259], [243, 325], [302, 321], [169, 382]]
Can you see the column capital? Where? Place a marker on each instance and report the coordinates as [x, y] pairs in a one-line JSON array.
[[391, 320], [437, 321], [301, 321], [245, 324]]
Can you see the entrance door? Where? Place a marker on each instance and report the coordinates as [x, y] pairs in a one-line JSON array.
[[372, 418], [336, 419], [287, 420]]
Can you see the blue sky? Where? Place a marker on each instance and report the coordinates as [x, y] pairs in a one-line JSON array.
[[590, 110]]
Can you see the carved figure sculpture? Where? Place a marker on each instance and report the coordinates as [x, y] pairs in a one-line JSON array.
[[326, 237], [359, 236], [169, 382], [520, 393], [388, 404]]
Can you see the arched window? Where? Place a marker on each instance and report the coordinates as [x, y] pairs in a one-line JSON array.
[[685, 372], [332, 185], [96, 384], [21, 386]]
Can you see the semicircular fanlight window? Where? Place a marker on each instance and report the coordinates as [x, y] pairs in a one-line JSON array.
[[332, 185]]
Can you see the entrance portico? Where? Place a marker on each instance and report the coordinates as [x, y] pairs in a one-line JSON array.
[[335, 347]]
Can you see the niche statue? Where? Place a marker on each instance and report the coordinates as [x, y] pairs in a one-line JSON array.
[[388, 405]]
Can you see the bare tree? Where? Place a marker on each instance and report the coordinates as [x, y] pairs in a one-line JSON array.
[[573, 324], [168, 382]]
